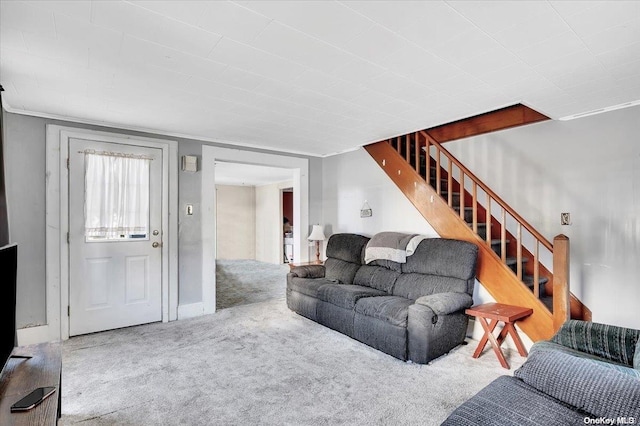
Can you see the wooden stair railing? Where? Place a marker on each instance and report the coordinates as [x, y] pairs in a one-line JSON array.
[[425, 172]]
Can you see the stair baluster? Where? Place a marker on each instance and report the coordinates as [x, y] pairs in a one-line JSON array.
[[416, 147]]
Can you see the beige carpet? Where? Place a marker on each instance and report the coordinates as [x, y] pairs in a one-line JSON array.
[[258, 364]]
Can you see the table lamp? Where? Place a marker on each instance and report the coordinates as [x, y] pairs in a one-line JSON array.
[[317, 235]]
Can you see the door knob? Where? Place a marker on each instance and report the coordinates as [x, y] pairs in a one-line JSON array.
[[155, 244], [156, 232]]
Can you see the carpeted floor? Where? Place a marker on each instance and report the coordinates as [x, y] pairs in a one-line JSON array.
[[258, 364], [240, 282]]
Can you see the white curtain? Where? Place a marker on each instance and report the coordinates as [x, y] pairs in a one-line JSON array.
[[116, 196]]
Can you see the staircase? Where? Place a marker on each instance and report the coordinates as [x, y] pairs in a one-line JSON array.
[[512, 254]]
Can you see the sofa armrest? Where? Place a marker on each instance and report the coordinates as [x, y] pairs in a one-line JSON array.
[[308, 271], [582, 383], [617, 344], [446, 303]]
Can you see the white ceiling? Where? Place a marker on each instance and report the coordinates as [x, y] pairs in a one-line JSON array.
[[250, 175], [314, 77]]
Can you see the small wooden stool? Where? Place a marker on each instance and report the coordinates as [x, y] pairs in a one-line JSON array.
[[499, 312]]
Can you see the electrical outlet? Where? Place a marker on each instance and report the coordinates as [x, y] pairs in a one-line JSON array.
[[189, 209], [565, 218]]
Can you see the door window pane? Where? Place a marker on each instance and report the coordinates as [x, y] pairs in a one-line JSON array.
[[116, 197]]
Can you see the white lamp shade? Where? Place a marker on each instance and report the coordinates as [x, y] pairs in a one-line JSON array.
[[316, 233]]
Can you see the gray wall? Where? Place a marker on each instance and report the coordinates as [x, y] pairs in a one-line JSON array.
[[352, 178], [589, 167], [25, 176]]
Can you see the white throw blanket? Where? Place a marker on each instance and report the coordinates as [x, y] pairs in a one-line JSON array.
[[394, 246]]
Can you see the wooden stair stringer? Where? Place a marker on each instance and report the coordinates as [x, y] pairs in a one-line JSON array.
[[495, 276], [578, 309]]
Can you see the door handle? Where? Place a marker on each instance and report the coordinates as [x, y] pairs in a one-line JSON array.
[[156, 244]]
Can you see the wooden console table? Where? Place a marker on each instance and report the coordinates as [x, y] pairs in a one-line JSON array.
[[22, 375], [498, 312]]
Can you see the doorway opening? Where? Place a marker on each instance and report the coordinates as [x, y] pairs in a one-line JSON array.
[[249, 232], [298, 168]]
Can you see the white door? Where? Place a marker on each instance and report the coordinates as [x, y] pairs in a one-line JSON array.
[[115, 235]]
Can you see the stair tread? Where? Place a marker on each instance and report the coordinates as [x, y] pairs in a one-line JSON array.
[[480, 224], [528, 280], [406, 146], [496, 241], [512, 260]]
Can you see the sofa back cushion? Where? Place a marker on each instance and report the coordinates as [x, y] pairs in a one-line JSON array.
[[413, 286], [377, 277], [438, 265], [610, 342], [344, 256]]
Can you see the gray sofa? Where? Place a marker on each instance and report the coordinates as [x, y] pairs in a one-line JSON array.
[[412, 311], [588, 373]]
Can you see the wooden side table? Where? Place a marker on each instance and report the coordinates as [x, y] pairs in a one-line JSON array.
[[495, 313], [293, 265]]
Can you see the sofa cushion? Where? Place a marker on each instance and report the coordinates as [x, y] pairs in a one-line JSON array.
[[340, 271], [308, 286], [344, 256], [413, 286], [392, 309], [546, 345], [508, 401], [444, 257], [388, 264], [610, 342], [347, 247], [346, 296], [376, 277], [582, 383]]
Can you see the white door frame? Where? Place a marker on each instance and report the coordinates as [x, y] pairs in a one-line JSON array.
[[300, 169], [57, 221]]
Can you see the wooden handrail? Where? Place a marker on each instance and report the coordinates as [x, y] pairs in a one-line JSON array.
[[488, 191], [566, 304]]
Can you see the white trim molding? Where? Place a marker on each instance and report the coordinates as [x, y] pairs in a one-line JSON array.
[[57, 222], [190, 310], [32, 335], [300, 172]]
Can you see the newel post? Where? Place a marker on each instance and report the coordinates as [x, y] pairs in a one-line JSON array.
[[561, 298]]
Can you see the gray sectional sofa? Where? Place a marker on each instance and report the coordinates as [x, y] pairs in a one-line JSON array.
[[588, 373], [412, 311]]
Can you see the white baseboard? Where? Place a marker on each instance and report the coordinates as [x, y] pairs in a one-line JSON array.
[[190, 310], [33, 335]]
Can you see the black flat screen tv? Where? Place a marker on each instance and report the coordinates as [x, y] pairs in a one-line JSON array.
[[8, 268]]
